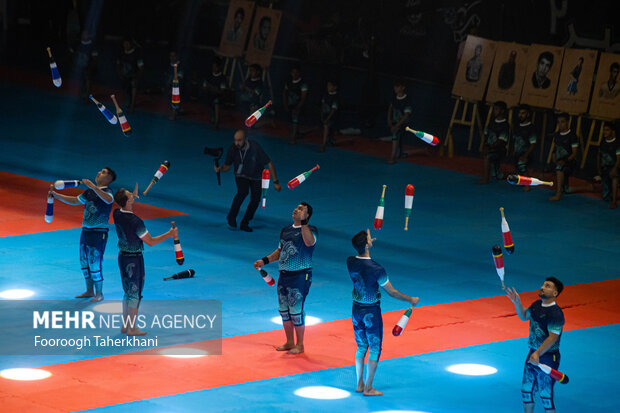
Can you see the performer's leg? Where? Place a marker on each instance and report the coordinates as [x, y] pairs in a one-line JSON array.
[[96, 242], [85, 270], [362, 344], [136, 296], [559, 173], [284, 313], [528, 385], [296, 298], [374, 333]]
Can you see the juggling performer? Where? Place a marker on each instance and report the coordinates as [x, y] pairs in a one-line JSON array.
[[294, 256], [367, 275], [97, 201], [546, 322], [248, 159], [132, 234]]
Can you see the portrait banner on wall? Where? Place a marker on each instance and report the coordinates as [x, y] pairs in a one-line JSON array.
[[236, 27], [474, 68], [606, 94], [541, 75], [263, 36], [576, 81], [508, 73]]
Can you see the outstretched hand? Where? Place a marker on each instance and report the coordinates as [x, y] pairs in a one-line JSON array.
[[513, 295]]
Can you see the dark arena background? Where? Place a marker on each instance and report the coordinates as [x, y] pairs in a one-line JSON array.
[[424, 117]]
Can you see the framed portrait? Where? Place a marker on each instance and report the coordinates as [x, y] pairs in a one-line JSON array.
[[575, 84], [605, 101], [474, 69], [508, 73], [263, 36], [236, 27], [541, 75]]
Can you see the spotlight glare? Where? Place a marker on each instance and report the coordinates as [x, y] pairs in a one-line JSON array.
[[310, 320], [183, 352], [322, 393], [16, 294], [469, 369], [109, 308], [25, 374]]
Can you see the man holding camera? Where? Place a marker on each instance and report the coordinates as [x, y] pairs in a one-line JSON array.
[[248, 159]]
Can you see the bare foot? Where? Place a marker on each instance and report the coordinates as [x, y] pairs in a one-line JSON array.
[[483, 182], [391, 162], [292, 142], [86, 294], [124, 330], [96, 298], [373, 392], [555, 198], [285, 347], [526, 189], [612, 205], [136, 332], [360, 387], [296, 350]]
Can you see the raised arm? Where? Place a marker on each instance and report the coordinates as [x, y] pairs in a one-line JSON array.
[[514, 297], [105, 197], [70, 200]]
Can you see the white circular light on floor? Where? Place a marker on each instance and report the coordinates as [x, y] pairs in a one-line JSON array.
[[16, 294], [183, 352], [310, 320], [25, 374], [322, 393], [471, 369], [109, 308]]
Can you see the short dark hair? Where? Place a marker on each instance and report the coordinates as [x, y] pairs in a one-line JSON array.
[[558, 284], [546, 55], [610, 125], [111, 173], [296, 66], [307, 205], [563, 115], [399, 81], [256, 67], [359, 241], [501, 104], [526, 107], [120, 197], [240, 11], [613, 66]]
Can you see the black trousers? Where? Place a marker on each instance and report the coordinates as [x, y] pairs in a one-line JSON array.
[[245, 186]]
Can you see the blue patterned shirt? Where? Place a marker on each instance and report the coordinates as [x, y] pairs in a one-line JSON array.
[[294, 254], [96, 210], [129, 229], [544, 320], [367, 275]]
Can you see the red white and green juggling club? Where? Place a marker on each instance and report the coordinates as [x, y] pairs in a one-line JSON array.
[[426, 137], [408, 203], [265, 186], [302, 177], [266, 277], [163, 168], [400, 326], [251, 120], [379, 214]]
